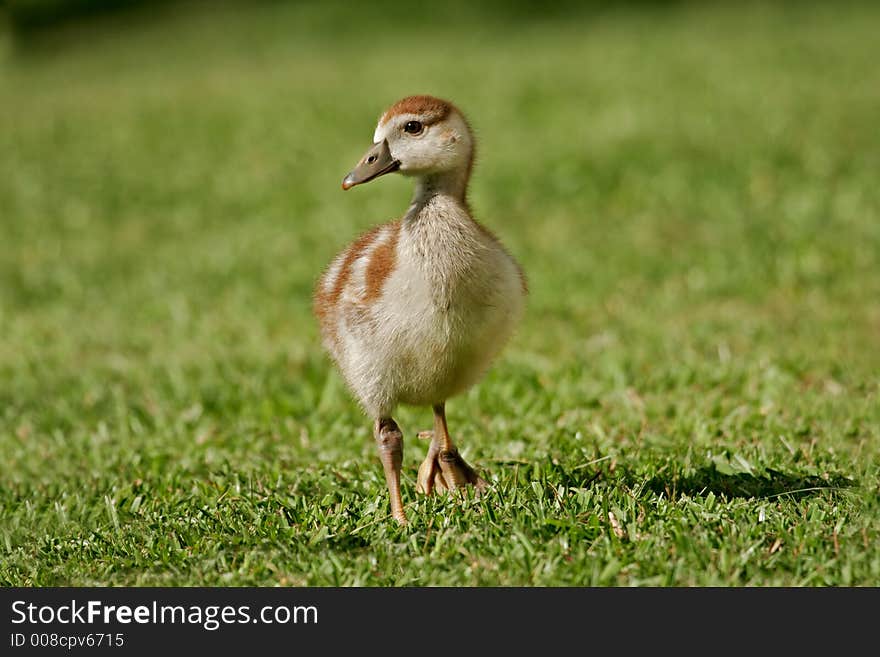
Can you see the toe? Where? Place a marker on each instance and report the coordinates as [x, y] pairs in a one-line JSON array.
[[425, 481]]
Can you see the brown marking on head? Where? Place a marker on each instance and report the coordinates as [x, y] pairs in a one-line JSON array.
[[382, 261], [430, 108]]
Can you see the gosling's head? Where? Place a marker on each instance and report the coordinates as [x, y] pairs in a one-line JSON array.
[[417, 136]]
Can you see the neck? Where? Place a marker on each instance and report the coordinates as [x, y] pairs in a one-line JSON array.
[[451, 183]]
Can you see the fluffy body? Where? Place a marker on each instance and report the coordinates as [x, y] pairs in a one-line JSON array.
[[415, 310]]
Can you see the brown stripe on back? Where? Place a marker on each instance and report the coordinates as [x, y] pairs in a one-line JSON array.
[[325, 302], [436, 108], [381, 264]]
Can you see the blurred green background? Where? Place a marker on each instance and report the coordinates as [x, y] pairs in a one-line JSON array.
[[691, 188]]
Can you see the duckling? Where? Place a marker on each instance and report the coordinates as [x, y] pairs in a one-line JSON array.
[[415, 310]]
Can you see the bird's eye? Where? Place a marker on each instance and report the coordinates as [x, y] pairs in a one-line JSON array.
[[413, 127]]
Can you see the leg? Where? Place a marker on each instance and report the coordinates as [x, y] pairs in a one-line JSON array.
[[389, 439], [443, 468]]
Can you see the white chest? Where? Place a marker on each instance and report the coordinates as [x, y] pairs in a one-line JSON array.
[[454, 293]]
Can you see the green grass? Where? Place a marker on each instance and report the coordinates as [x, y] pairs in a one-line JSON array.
[[692, 399]]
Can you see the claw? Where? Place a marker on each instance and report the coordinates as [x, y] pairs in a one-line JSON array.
[[446, 471], [443, 468]]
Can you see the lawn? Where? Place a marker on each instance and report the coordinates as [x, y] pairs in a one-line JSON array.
[[693, 398]]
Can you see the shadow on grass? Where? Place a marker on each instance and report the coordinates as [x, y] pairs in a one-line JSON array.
[[768, 484]]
